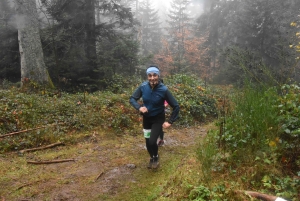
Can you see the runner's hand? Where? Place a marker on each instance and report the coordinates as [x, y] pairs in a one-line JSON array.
[[166, 125], [143, 109]]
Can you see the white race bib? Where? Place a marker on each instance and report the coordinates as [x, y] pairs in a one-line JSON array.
[[147, 133]]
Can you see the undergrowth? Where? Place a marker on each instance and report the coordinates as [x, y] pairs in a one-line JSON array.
[[36, 116], [256, 146]]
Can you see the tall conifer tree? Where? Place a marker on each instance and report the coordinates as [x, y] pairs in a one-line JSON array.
[[150, 28], [90, 52], [178, 30]]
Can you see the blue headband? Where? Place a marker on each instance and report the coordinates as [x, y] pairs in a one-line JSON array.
[[152, 70]]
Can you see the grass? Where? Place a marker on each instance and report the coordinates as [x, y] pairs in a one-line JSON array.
[[248, 156], [252, 123], [245, 159], [107, 153]]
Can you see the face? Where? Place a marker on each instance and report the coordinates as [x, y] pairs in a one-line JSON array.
[[153, 79]]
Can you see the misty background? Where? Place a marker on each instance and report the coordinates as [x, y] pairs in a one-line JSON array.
[[223, 42]]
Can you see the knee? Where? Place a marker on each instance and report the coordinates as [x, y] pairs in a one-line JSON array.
[[152, 142]]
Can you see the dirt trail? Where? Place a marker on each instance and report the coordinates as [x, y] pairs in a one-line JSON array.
[[105, 166]]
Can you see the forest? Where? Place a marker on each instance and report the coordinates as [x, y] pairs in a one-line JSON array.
[[68, 68]]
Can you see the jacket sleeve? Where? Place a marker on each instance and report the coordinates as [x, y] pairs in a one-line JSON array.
[[175, 106], [137, 94]]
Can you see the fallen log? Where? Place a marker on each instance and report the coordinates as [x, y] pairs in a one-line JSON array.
[[49, 162], [41, 148], [262, 196]]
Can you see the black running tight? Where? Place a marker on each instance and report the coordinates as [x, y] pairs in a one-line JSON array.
[[155, 124]]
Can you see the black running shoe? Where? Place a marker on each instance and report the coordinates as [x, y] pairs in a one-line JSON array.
[[155, 163], [150, 163]]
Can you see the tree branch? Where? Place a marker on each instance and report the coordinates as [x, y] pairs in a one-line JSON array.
[[40, 148], [27, 130], [50, 162], [99, 175]]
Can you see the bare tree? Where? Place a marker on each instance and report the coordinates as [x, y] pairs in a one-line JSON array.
[[32, 58]]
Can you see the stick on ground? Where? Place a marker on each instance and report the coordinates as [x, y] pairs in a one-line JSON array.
[[40, 148], [99, 175], [49, 162], [27, 130]]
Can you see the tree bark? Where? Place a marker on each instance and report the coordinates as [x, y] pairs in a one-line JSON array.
[[32, 58], [90, 36]]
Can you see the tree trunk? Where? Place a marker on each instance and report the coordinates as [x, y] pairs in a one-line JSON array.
[[91, 37], [32, 59]]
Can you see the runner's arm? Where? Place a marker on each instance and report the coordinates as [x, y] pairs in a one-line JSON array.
[[175, 106], [137, 94]]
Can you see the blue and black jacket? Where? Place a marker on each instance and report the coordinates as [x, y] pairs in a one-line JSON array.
[[153, 100]]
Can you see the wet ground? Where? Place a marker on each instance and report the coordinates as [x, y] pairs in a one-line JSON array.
[[104, 166]]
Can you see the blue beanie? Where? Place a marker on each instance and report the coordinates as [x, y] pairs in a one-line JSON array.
[[153, 70]]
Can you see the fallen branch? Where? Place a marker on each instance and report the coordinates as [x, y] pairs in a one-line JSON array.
[[23, 131], [25, 185], [40, 148], [99, 175], [27, 130], [49, 162], [262, 196]]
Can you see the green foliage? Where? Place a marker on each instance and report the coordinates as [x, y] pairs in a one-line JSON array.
[[208, 154], [219, 192], [120, 84], [200, 193], [259, 144], [282, 186], [61, 114], [253, 121], [245, 64], [289, 119], [289, 110], [196, 102], [265, 125]]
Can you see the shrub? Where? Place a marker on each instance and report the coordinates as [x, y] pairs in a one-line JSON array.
[[197, 104], [252, 123], [56, 116], [289, 119]]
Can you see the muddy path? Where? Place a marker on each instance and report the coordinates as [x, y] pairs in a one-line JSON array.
[[105, 167]]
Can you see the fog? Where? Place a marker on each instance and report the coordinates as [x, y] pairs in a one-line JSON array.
[[195, 8], [209, 48]]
